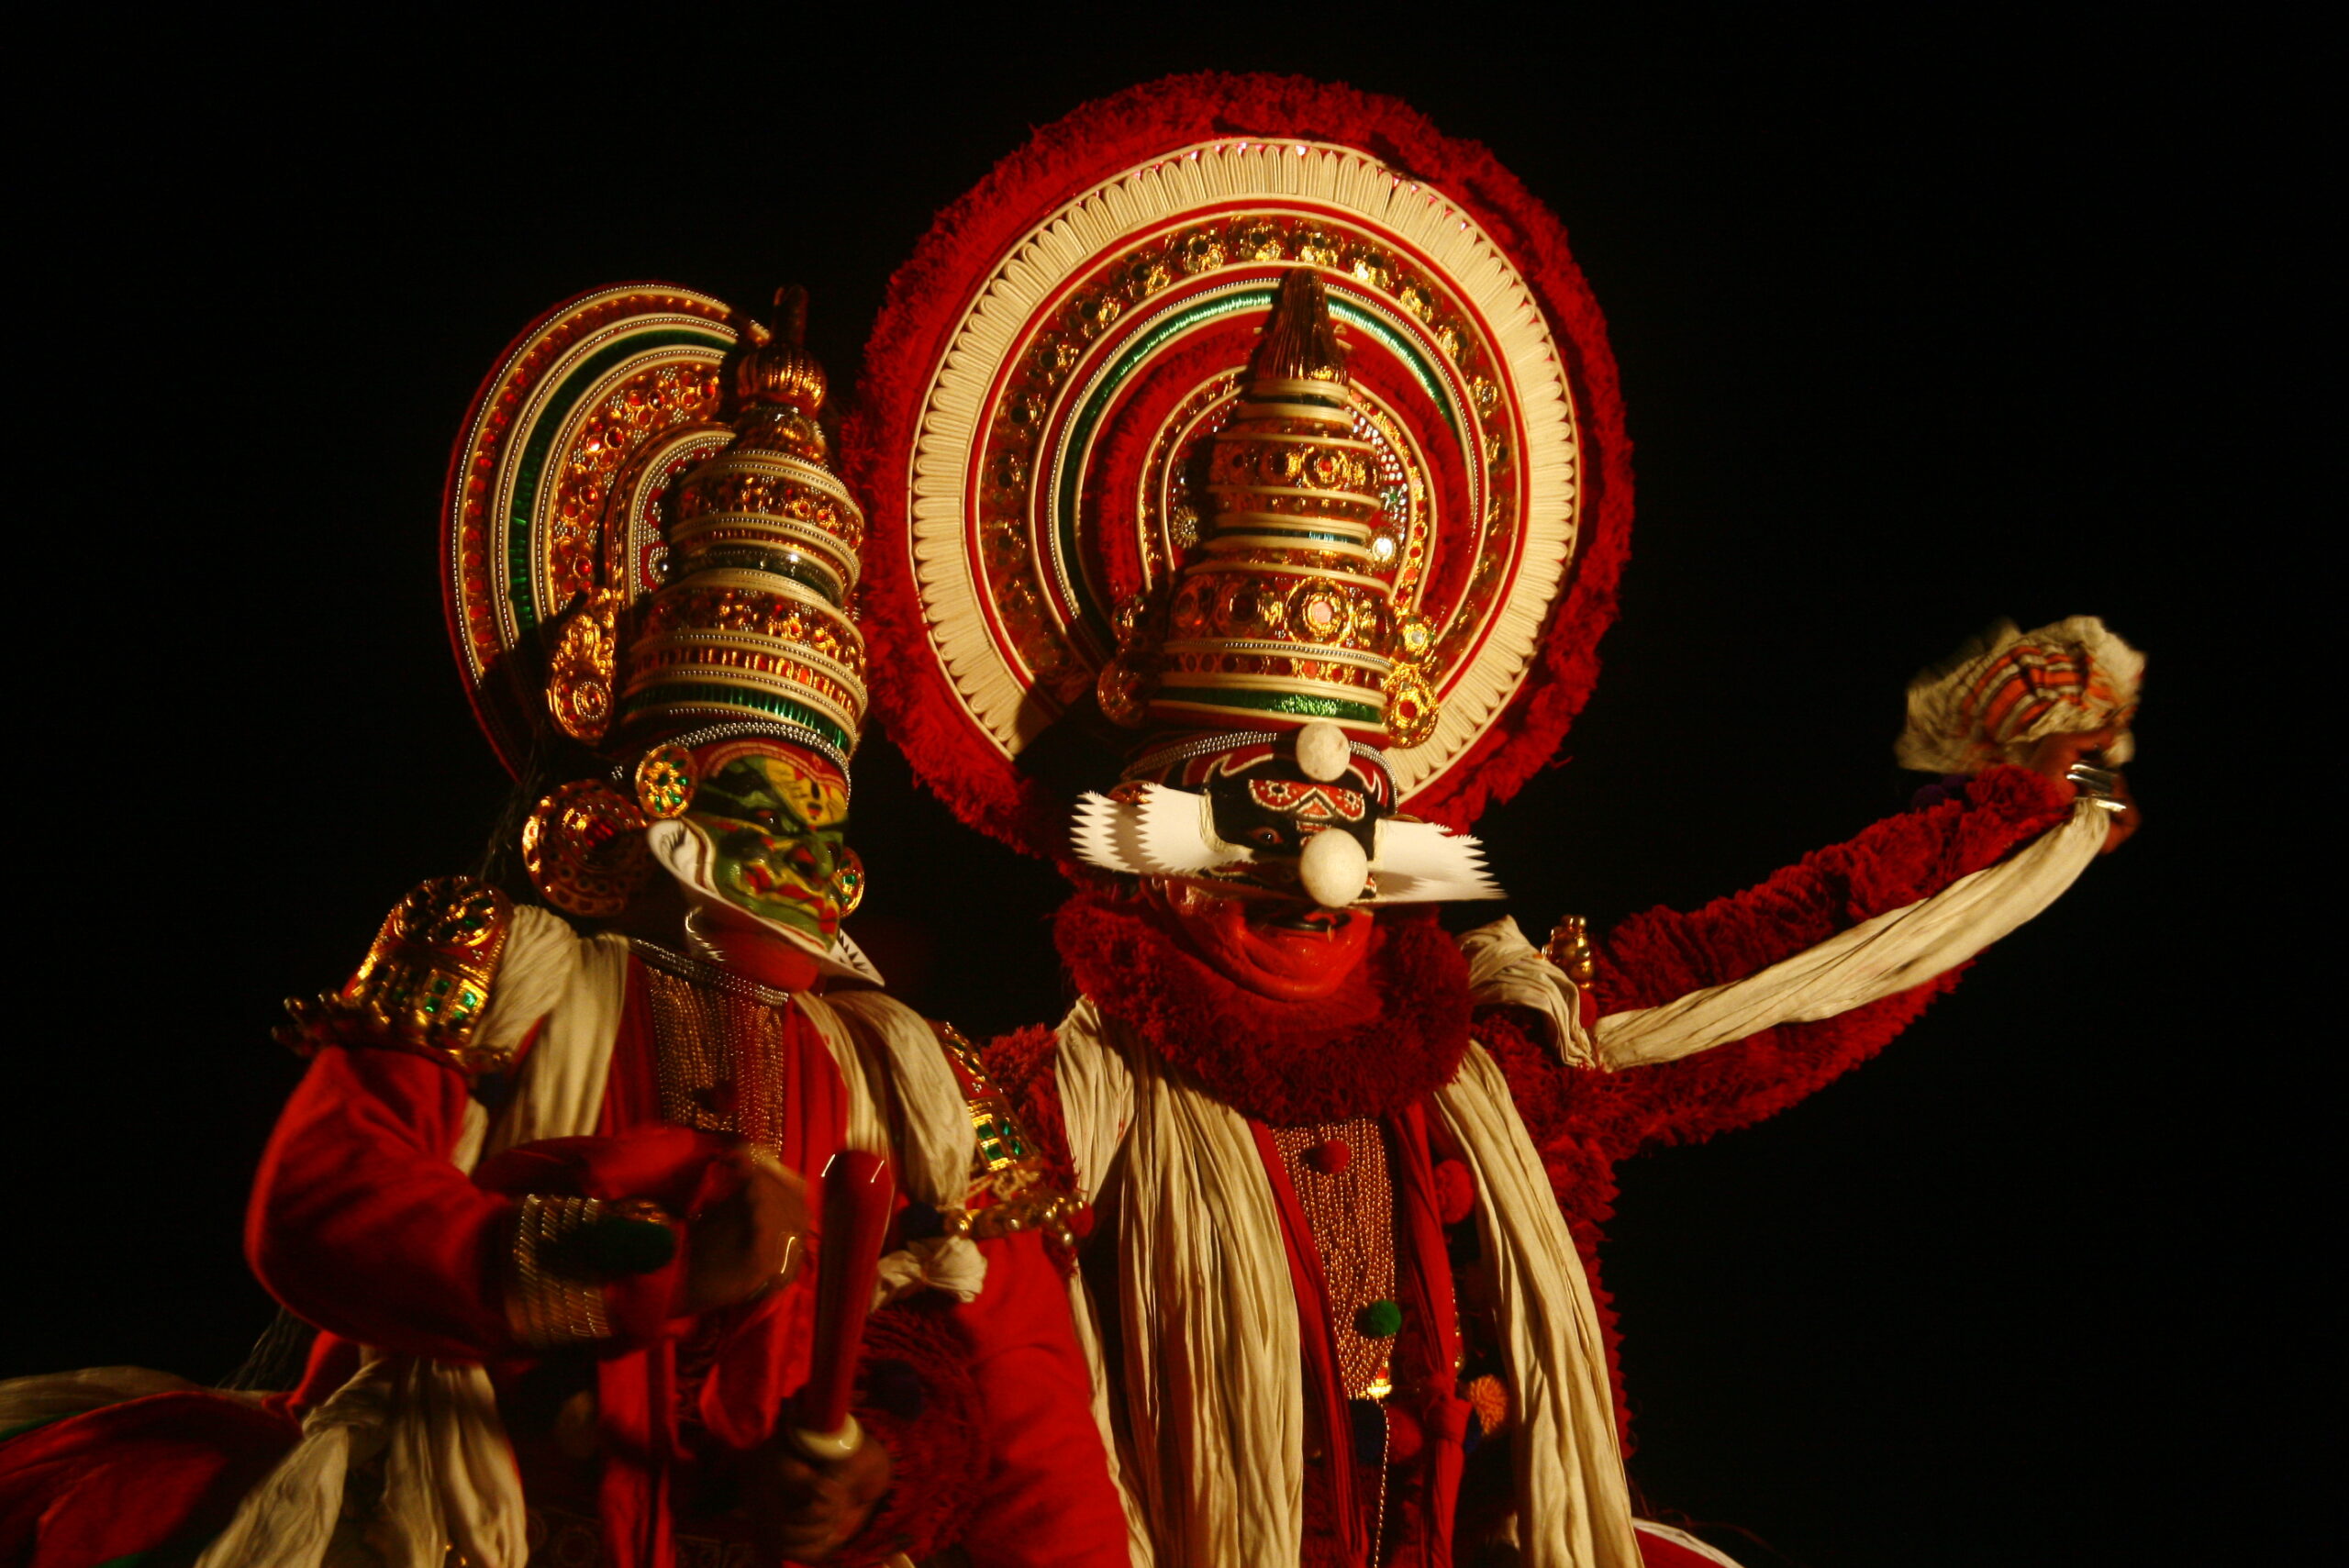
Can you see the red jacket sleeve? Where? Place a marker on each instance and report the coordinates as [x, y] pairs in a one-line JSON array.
[[1654, 958], [359, 1225], [1047, 1496]]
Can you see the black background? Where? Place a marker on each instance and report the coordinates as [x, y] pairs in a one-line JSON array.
[[1916, 329]]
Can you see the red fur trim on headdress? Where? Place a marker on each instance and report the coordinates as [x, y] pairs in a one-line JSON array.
[[1392, 1035], [927, 297]]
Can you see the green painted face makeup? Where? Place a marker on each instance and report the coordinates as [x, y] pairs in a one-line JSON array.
[[777, 819]]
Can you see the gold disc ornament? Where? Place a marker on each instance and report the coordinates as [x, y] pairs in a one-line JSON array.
[[584, 851]]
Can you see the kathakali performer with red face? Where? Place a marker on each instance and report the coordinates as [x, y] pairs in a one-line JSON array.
[[1255, 432], [545, 1189]]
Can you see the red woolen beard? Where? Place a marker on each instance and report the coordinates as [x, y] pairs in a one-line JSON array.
[[1389, 1036]]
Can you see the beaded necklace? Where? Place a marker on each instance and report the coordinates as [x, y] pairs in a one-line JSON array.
[[714, 976], [718, 1046], [1338, 1170]]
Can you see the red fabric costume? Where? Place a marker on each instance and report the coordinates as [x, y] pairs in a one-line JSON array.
[[362, 1226], [1375, 1049]]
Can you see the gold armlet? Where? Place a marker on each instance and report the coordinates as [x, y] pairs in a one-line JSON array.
[[1569, 948], [1000, 1144], [549, 1303], [425, 982]]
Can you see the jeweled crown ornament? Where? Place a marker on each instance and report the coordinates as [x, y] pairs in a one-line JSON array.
[[1279, 618], [752, 622]]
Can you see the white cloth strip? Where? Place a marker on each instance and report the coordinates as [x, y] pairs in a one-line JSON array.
[[1574, 1508], [900, 1049], [1205, 1417], [1214, 1397], [576, 987], [1875, 959], [1503, 969]]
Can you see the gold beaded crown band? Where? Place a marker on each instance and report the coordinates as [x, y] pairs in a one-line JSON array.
[[1228, 407], [647, 549]]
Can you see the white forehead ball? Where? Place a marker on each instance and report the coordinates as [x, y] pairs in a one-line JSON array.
[[1333, 869], [1322, 751]]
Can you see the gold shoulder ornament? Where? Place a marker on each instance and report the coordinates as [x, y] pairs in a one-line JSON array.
[[425, 982]]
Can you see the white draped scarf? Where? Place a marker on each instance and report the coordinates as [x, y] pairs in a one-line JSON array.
[[1205, 1416], [1207, 1410]]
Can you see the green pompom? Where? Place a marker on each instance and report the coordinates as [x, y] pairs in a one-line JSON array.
[[1379, 1320], [612, 1247]]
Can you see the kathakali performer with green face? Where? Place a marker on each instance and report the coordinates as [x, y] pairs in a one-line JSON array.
[[545, 1188]]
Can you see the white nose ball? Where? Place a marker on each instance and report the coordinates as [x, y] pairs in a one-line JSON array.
[[1322, 751], [1334, 868]]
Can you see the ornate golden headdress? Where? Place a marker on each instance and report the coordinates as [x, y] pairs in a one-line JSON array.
[[689, 575], [1285, 615], [1118, 452], [751, 623]]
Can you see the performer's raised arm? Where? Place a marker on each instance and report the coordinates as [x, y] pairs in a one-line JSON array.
[[1737, 1009]]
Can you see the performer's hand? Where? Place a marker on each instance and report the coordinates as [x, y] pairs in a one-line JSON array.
[[741, 1245], [805, 1510], [2053, 757]]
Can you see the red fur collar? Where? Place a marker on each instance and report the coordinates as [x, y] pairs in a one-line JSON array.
[[1392, 1035]]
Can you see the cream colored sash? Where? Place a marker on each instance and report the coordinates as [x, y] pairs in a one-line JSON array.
[[1878, 958], [1207, 1410]]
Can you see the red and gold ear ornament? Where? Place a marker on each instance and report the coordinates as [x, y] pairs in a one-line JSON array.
[[584, 848], [665, 779], [848, 880]]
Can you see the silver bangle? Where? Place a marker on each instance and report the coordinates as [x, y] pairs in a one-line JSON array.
[[2098, 785], [546, 1308]]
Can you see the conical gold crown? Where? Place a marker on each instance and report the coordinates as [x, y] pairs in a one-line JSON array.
[[1279, 619], [752, 622]]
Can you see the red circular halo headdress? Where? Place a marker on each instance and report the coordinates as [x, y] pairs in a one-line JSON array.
[[1043, 386]]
